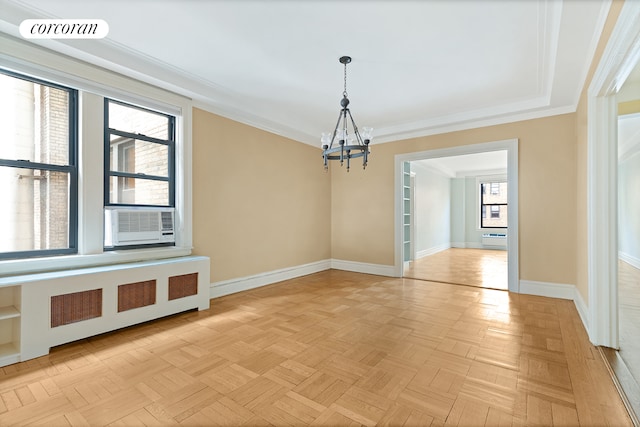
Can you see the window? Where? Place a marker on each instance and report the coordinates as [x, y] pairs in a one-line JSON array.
[[38, 170], [493, 204], [139, 156]]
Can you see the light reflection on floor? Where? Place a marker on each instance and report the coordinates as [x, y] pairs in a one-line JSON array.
[[484, 268]]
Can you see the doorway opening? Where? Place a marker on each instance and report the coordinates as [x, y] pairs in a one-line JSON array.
[[459, 220], [459, 223]]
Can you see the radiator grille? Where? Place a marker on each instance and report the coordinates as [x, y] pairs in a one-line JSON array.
[[183, 286], [75, 307], [136, 295]]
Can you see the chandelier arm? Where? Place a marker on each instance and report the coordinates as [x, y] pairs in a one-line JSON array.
[[355, 129], [344, 112], [361, 144], [335, 131]]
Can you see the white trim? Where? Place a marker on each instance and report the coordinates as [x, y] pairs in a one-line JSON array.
[[547, 289], [363, 267], [620, 56], [232, 286], [37, 61], [629, 259], [467, 245], [511, 145], [583, 309], [433, 250]]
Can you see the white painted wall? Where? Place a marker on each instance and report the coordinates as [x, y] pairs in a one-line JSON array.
[[629, 209], [458, 213], [432, 210]]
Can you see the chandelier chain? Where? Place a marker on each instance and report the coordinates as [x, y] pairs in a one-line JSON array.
[[345, 81]]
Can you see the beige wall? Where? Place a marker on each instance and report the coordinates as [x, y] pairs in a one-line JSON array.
[[629, 107], [269, 210], [362, 207], [261, 202], [582, 265]]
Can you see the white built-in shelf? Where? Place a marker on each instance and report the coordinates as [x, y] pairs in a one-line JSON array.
[[9, 354], [8, 350], [8, 312]]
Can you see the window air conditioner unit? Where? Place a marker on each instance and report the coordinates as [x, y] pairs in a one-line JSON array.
[[138, 226]]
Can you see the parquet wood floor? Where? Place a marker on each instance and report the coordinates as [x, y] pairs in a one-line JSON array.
[[333, 348], [484, 268]]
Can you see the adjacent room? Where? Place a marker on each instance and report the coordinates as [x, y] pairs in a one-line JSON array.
[[269, 213], [458, 220]]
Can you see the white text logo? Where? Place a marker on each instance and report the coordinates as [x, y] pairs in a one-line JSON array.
[[64, 28]]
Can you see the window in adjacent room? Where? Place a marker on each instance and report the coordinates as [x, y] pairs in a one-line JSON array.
[[139, 156], [493, 204], [38, 169]]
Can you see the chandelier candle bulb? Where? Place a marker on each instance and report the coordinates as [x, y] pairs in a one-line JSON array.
[[350, 142]]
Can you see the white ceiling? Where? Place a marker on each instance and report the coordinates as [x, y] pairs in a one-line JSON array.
[[488, 163], [419, 67]]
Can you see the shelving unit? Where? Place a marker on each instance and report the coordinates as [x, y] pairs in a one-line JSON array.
[[406, 210], [9, 324]]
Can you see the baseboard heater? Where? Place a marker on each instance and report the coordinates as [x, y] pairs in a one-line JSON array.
[[494, 240]]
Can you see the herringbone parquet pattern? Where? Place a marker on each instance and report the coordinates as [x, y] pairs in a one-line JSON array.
[[332, 348]]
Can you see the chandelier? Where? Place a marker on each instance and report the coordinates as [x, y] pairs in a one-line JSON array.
[[346, 142]]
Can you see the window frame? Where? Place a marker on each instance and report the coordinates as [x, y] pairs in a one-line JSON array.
[[170, 142], [71, 169], [482, 190], [93, 84]]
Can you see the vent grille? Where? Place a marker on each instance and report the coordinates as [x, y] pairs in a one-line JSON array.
[[133, 222], [183, 286], [75, 307], [136, 295], [167, 221]]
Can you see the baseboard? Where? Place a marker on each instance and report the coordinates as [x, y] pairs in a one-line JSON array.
[[232, 286], [631, 260], [558, 290], [433, 250], [583, 309], [467, 245], [363, 267], [546, 289]]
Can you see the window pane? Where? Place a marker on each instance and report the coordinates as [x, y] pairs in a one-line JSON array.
[[136, 156], [34, 122], [35, 213], [494, 193], [138, 191], [135, 120], [496, 216]]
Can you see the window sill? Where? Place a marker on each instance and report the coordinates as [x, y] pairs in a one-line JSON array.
[[37, 265]]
